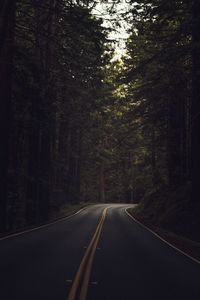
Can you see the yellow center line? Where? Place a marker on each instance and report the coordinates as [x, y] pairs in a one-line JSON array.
[[91, 248], [84, 288]]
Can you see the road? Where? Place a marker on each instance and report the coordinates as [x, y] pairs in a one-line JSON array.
[[98, 254]]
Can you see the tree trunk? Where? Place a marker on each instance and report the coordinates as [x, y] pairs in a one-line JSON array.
[[173, 141], [7, 25], [102, 183], [63, 157], [33, 168], [47, 132], [75, 167], [153, 158], [196, 103], [34, 135], [44, 184], [188, 137]]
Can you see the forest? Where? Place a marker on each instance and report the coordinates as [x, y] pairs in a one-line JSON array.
[[81, 126]]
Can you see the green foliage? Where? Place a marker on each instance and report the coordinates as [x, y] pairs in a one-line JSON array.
[[84, 125], [169, 209], [57, 93], [157, 74]]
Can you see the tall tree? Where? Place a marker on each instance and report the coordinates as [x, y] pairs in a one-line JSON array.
[[7, 27], [160, 62], [57, 86], [195, 101]]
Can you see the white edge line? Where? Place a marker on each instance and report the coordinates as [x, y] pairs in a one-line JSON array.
[[42, 226], [158, 236]]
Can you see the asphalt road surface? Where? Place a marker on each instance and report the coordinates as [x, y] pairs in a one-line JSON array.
[[98, 254]]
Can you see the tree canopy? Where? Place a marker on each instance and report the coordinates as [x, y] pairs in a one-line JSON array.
[[77, 124]]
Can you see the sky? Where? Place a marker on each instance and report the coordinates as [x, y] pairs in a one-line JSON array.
[[120, 33]]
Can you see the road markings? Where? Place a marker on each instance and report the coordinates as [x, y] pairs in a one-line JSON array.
[[41, 226], [88, 257], [162, 239]]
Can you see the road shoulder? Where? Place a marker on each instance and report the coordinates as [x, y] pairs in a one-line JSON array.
[[181, 244], [62, 215]]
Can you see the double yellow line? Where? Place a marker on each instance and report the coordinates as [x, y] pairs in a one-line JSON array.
[[88, 257]]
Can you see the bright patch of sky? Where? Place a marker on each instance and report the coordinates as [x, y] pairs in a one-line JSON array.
[[113, 13]]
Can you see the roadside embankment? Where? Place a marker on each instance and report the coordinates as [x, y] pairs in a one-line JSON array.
[[170, 214]]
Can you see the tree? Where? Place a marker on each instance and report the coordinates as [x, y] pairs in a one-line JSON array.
[[7, 26], [57, 75], [195, 101], [159, 63]]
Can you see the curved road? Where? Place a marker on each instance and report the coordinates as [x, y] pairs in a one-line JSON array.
[[98, 254]]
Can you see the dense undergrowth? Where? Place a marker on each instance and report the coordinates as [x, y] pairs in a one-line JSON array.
[[171, 210], [64, 211]]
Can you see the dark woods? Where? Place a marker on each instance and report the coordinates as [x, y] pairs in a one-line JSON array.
[[163, 69], [76, 126], [52, 54]]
